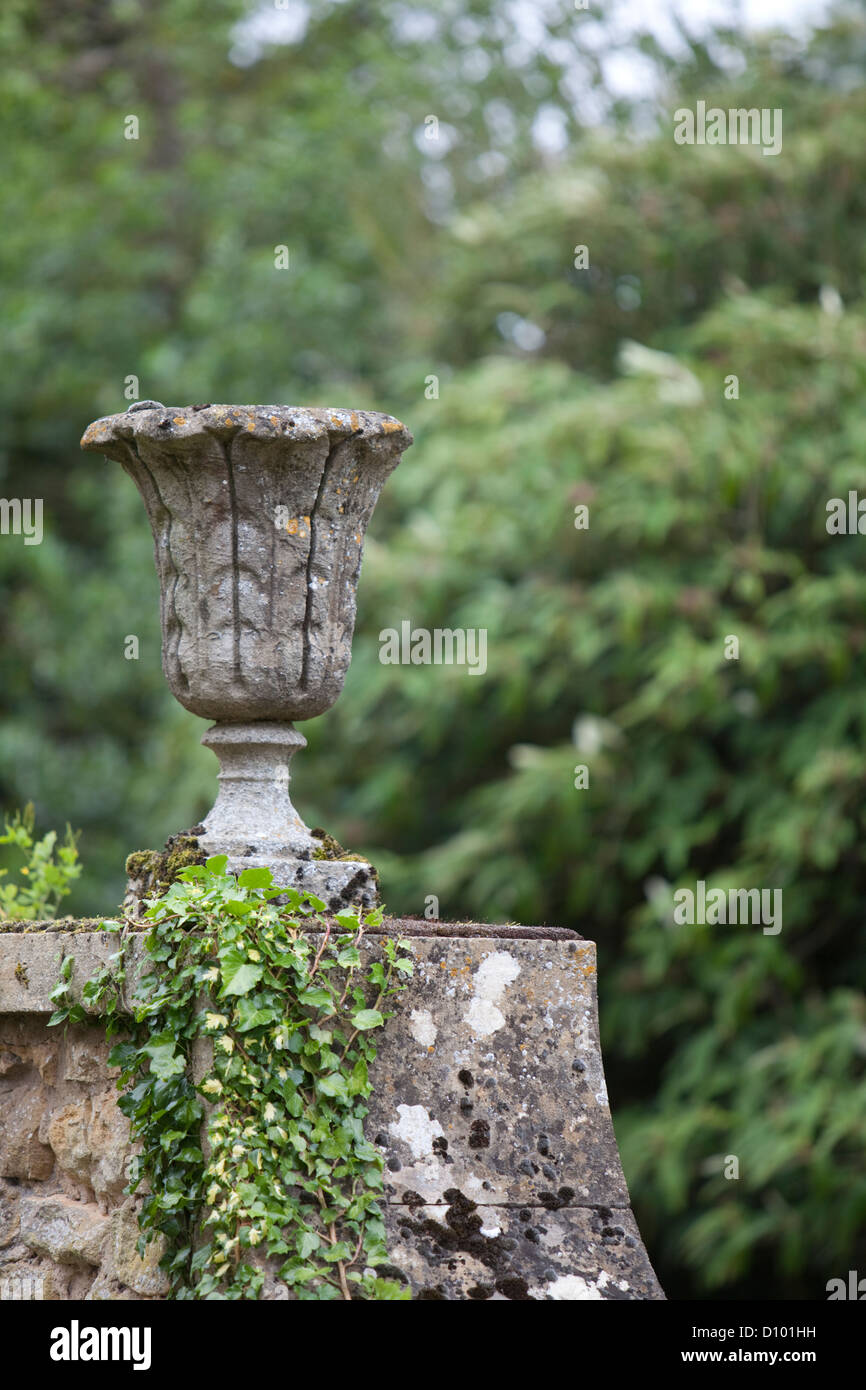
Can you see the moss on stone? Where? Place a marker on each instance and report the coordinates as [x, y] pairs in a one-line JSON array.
[[156, 870], [330, 848], [141, 862]]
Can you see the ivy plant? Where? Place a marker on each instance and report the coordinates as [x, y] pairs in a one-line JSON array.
[[245, 1079]]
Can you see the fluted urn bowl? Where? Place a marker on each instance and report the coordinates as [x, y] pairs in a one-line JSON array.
[[258, 516]]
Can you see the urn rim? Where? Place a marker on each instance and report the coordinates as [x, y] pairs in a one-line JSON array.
[[291, 423]]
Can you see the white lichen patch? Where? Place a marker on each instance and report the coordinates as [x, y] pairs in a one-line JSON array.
[[435, 1211], [492, 978], [416, 1129], [422, 1027], [569, 1287], [491, 1231], [554, 1234]]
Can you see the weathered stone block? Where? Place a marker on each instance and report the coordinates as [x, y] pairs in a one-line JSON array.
[[489, 1078], [66, 1231], [111, 1151], [124, 1264], [22, 1153], [67, 1132]]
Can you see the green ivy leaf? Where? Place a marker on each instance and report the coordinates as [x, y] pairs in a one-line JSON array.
[[237, 908], [333, 1085], [239, 975], [249, 1017], [367, 1018], [255, 878], [165, 1060], [339, 1251], [315, 997], [306, 1243]]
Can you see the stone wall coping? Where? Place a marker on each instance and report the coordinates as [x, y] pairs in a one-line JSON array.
[[30, 961]]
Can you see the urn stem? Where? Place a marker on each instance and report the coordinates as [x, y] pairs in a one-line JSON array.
[[253, 814]]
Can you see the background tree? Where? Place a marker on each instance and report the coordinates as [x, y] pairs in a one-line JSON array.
[[411, 257]]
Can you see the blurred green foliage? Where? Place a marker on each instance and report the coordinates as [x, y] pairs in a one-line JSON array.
[[46, 874], [409, 258]]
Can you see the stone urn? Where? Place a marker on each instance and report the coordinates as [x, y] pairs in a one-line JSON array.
[[258, 516]]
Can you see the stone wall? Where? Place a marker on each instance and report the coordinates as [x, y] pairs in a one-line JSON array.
[[503, 1178], [66, 1229]]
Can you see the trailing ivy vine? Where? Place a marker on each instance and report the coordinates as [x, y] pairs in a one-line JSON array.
[[253, 1027]]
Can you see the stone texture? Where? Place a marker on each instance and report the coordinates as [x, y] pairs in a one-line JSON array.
[[68, 1232], [23, 1155], [489, 1078], [125, 1266], [66, 1131], [90, 950], [64, 1145], [463, 1251], [502, 1177]]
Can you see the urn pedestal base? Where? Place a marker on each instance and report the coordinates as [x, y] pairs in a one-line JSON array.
[[254, 823]]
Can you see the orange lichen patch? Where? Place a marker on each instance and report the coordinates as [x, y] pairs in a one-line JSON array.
[[389, 426], [179, 420], [353, 420], [294, 523], [273, 419]]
